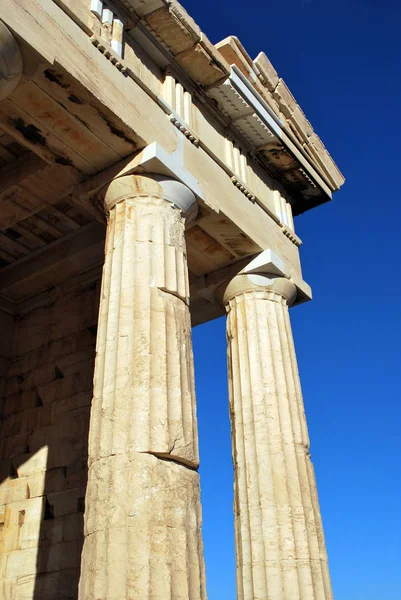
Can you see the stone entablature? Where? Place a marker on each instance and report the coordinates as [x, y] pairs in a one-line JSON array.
[[170, 37], [196, 134]]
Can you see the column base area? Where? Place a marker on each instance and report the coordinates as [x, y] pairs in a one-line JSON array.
[[142, 541]]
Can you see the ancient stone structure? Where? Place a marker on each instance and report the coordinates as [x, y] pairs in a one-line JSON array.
[[148, 183]]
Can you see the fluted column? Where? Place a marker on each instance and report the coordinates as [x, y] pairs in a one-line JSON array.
[[280, 546], [143, 516]]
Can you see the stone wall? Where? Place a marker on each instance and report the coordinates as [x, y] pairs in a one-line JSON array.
[[43, 451]]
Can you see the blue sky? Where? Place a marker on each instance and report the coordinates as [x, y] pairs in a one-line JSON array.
[[342, 62]]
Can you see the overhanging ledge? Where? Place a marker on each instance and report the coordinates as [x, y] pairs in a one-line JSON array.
[[255, 120]]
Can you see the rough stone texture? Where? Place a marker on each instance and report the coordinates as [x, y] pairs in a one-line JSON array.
[[85, 114], [267, 71], [174, 27], [143, 519], [201, 65], [143, 530], [10, 62], [191, 48], [285, 99], [43, 452], [280, 546], [6, 339]]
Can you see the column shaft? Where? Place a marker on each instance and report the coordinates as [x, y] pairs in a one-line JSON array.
[[143, 516], [281, 552]]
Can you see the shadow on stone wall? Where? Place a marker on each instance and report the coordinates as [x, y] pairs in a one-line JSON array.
[[44, 440]]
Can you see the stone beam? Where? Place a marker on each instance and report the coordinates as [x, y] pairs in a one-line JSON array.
[[29, 184], [15, 173], [265, 262], [196, 169], [10, 62], [75, 252]]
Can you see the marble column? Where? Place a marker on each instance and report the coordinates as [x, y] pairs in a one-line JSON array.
[[143, 516], [280, 545]]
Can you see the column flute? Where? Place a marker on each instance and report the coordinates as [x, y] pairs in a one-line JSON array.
[[280, 546]]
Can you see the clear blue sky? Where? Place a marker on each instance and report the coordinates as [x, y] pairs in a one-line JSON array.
[[342, 62]]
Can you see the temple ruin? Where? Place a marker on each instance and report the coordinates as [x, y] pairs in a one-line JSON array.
[[149, 182]]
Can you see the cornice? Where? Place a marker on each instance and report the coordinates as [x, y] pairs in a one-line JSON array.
[[265, 131], [264, 78]]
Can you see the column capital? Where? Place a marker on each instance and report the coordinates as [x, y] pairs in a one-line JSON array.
[[272, 286], [10, 62], [150, 186], [265, 273]]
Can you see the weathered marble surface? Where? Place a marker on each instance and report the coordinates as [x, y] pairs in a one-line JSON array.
[[143, 518], [280, 546]]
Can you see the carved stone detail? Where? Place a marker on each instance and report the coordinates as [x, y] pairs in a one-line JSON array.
[[242, 188], [181, 126]]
